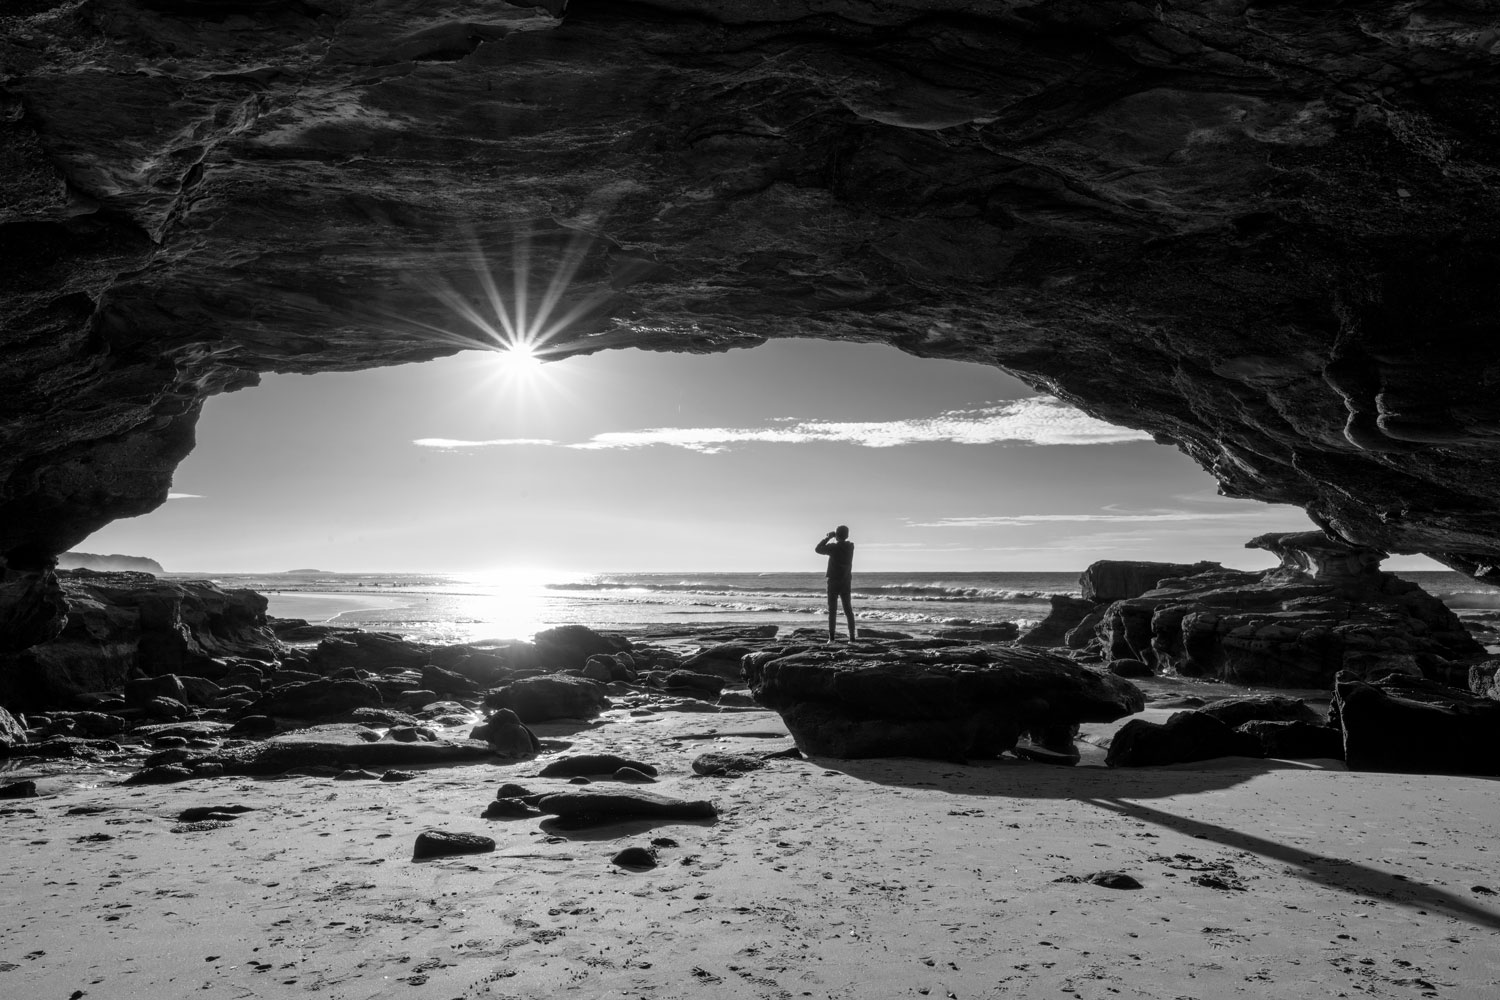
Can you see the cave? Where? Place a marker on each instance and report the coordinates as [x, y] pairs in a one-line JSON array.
[[1266, 234]]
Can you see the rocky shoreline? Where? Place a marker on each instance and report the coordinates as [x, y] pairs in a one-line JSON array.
[[746, 775]]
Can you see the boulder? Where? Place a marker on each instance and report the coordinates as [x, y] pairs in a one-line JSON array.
[[690, 681], [507, 735], [1117, 580], [538, 699], [592, 763], [600, 668], [720, 660], [1185, 737], [1129, 668], [317, 699], [568, 647], [1296, 740], [933, 700], [1411, 724], [369, 652], [448, 682], [721, 763], [445, 843], [1294, 626], [1236, 711], [603, 806], [1067, 611]]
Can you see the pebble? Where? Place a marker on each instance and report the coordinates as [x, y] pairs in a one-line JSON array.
[[635, 857], [356, 775], [443, 843], [631, 774], [398, 775], [509, 809]]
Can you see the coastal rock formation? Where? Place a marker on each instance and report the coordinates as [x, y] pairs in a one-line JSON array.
[[125, 625], [931, 700], [1266, 234], [1410, 724], [1064, 619], [1327, 608], [1117, 580]]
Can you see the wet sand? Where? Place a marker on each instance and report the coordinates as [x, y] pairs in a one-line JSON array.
[[821, 878]]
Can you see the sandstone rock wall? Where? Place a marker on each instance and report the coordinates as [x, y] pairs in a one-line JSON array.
[[124, 625], [1267, 234]]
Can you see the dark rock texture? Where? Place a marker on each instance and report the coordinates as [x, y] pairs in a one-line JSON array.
[[1184, 738], [1267, 234], [445, 843], [1327, 608], [538, 699], [1416, 725], [941, 701], [592, 805], [1118, 580], [1065, 615], [121, 625], [340, 746]]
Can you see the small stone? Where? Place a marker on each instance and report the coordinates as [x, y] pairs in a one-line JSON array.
[[443, 843], [18, 790], [196, 813], [631, 774], [1114, 880], [635, 857], [398, 775], [356, 775], [718, 763], [580, 780], [509, 809], [1482, 890], [511, 790]]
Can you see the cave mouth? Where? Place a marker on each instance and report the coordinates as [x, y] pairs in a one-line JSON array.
[[630, 460]]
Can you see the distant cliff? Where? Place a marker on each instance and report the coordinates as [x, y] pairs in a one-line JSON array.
[[111, 563]]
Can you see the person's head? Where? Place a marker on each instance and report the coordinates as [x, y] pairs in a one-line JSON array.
[[841, 532]]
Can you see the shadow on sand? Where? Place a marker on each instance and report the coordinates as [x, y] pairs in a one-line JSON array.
[[1117, 790], [1339, 874], [1022, 779]]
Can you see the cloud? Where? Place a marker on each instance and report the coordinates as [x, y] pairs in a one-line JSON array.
[[456, 443], [184, 496], [1006, 521], [1039, 420]]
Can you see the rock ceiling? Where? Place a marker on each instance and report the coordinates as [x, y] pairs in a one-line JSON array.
[[1266, 233]]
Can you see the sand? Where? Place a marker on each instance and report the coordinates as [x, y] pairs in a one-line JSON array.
[[821, 878]]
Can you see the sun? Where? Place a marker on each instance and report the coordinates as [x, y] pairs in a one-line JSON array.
[[517, 360]]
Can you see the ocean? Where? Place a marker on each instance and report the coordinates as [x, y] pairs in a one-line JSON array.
[[454, 608]]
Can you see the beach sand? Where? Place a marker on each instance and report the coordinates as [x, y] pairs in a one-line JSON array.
[[821, 878]]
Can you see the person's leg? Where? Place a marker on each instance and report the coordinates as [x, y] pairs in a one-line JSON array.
[[848, 612], [833, 613]]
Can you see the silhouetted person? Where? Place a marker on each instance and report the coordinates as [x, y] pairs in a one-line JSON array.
[[840, 552]]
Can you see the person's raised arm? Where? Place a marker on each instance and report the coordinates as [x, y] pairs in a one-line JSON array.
[[822, 547]]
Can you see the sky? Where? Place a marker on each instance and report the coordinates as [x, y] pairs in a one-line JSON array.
[[630, 460]]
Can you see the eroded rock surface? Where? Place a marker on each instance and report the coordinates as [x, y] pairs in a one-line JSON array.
[[939, 701], [1327, 608], [124, 625], [1267, 234]]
